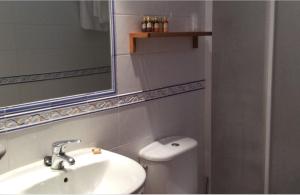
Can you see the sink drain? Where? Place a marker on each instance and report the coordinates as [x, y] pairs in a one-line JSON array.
[[175, 144], [66, 179]]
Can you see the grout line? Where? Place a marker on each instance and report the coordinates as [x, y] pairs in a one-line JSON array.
[[156, 52], [269, 49], [208, 99], [159, 15]]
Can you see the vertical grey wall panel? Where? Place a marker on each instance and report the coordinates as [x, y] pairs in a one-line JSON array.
[[285, 140], [238, 97]]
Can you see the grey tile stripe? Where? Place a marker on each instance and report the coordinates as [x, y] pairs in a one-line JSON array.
[[53, 75]]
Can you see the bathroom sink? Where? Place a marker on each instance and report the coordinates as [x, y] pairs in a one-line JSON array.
[[105, 173]]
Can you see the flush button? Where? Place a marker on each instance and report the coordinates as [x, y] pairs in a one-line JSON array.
[[175, 144]]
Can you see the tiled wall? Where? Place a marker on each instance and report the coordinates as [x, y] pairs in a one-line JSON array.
[[158, 63], [40, 37]]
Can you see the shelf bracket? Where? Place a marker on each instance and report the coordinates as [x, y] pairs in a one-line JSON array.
[[132, 44], [195, 41]]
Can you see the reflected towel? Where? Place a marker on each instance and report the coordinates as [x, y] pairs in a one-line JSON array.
[[94, 15]]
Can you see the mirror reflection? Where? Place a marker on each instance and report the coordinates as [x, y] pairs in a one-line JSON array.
[[52, 49]]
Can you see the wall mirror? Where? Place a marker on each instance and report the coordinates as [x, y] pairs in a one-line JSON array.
[[54, 53]]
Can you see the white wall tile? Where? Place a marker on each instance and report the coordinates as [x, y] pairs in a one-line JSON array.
[[57, 36], [66, 15], [179, 8], [6, 3], [38, 37], [148, 71], [53, 60], [132, 149], [124, 25], [77, 37], [7, 32], [175, 115], [10, 95], [34, 91], [133, 131], [23, 148], [8, 63], [162, 118], [7, 14], [44, 3]]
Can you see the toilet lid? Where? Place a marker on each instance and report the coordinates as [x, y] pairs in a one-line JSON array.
[[168, 148]]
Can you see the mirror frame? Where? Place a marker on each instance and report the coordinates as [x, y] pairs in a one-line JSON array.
[[47, 104]]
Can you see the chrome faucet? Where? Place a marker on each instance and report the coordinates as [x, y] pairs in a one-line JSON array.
[[58, 155], [2, 151]]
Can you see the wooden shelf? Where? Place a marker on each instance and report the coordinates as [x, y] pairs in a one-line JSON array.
[[145, 35]]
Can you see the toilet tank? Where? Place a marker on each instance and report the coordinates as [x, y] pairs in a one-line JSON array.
[[171, 165]]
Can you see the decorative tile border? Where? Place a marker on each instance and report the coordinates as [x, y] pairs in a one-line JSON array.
[[12, 123], [54, 75]]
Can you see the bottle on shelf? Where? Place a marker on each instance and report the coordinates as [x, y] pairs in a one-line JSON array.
[[156, 24], [160, 22], [165, 24], [149, 24], [144, 24], [153, 22]]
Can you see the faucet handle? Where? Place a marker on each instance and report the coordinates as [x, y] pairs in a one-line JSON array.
[[59, 146]]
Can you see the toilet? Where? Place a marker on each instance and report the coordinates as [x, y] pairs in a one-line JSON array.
[[171, 165]]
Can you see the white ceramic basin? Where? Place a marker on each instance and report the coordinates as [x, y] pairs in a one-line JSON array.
[[105, 173]]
